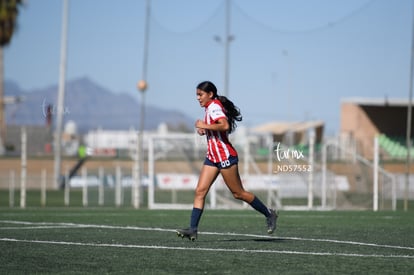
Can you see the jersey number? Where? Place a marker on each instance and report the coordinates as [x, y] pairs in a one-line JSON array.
[[225, 163]]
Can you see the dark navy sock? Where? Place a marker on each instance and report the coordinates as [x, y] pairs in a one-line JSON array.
[[195, 217], [260, 207]]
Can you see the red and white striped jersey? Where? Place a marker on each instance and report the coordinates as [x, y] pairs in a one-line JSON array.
[[219, 147]]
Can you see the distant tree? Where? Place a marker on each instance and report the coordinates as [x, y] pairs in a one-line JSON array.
[[9, 10]]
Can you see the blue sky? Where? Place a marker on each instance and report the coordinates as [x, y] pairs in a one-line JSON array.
[[289, 60]]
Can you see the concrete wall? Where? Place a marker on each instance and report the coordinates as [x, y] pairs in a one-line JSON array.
[[355, 124]]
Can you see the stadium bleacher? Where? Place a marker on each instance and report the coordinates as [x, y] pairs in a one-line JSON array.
[[395, 147]]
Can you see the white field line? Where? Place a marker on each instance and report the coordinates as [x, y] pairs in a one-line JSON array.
[[209, 249], [37, 227], [44, 225]]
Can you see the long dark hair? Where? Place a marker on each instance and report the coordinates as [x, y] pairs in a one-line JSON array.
[[232, 112]]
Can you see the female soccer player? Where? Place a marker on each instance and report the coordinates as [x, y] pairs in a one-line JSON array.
[[219, 121]]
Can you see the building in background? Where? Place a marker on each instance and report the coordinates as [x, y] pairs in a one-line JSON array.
[[364, 118]]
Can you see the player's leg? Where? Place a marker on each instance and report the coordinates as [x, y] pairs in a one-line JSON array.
[[207, 177], [232, 179]]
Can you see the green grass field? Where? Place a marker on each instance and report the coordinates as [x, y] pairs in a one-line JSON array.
[[76, 240]]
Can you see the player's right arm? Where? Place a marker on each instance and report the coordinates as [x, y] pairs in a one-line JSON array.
[[220, 125]]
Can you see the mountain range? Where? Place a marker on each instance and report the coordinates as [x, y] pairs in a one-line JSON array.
[[90, 106]]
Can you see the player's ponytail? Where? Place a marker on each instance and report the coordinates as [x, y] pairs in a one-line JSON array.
[[232, 112]]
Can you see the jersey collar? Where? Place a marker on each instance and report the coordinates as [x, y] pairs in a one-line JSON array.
[[215, 100]]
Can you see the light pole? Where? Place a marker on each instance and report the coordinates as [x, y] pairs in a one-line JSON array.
[[227, 39], [289, 84], [409, 119], [61, 95], [142, 87]]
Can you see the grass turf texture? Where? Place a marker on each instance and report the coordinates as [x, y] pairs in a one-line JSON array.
[[126, 241]]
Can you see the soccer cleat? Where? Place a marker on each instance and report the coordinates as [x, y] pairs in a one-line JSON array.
[[189, 233], [271, 221]]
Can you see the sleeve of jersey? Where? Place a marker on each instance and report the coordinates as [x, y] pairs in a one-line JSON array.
[[216, 112]]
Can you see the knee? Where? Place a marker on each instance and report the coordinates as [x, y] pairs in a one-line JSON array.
[[239, 195], [200, 192], [244, 196]]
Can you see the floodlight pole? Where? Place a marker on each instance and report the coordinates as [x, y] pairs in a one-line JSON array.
[[375, 175], [311, 164], [142, 87], [227, 41], [61, 95], [228, 38], [409, 118]]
